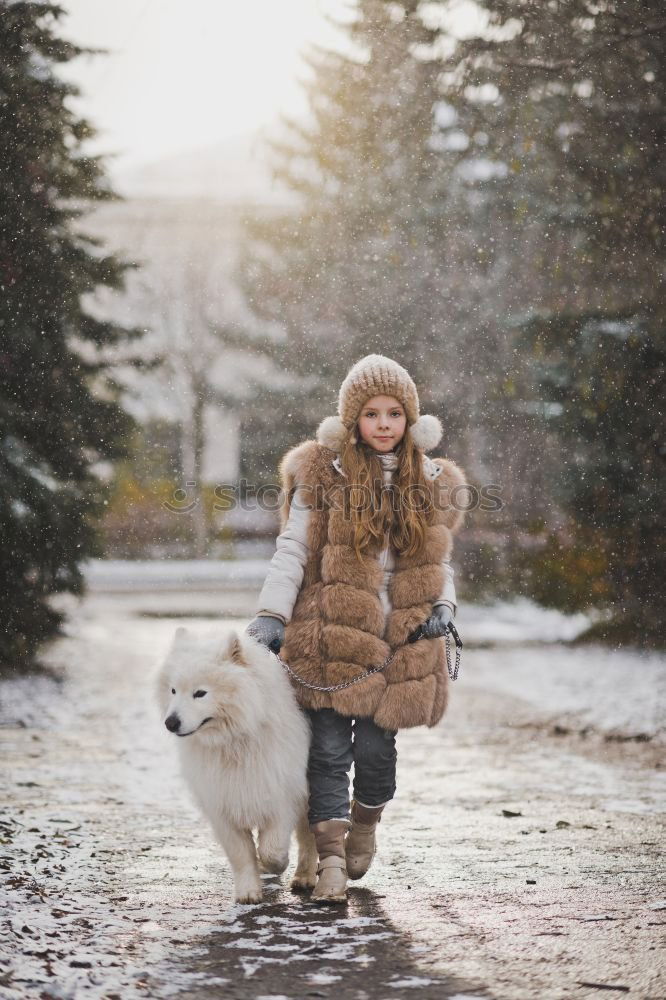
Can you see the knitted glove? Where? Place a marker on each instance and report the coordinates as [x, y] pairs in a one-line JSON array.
[[437, 625], [268, 631]]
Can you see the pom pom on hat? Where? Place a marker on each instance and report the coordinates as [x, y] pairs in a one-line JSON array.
[[426, 432], [332, 433]]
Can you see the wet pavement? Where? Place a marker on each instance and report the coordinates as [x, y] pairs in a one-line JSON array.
[[521, 858]]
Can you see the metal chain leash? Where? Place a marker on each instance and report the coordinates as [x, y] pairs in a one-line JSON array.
[[418, 634], [458, 641], [421, 633], [335, 687]]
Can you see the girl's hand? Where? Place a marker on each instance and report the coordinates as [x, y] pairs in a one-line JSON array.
[[268, 631], [437, 625]]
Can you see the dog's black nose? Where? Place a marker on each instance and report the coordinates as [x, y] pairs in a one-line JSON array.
[[172, 723]]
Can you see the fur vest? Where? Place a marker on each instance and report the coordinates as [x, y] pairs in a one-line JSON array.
[[338, 628]]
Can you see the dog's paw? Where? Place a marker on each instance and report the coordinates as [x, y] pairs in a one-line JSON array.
[[273, 864], [247, 896], [303, 882]]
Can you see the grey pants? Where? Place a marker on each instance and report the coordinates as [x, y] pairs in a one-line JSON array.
[[332, 752]]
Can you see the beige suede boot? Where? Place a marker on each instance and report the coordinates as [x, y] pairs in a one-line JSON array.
[[331, 884], [360, 845]]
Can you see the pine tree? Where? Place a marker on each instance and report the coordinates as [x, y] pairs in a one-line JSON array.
[[58, 404], [363, 263], [578, 119]]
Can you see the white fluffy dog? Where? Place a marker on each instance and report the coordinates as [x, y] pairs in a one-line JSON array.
[[243, 745]]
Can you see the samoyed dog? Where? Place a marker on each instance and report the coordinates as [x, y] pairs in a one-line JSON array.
[[243, 745]]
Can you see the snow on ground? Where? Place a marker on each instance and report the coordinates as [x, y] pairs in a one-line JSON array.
[[520, 858], [519, 620], [616, 692]]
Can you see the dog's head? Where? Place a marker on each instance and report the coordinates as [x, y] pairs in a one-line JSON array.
[[208, 686]]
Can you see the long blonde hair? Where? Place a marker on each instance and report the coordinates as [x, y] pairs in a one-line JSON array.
[[403, 510]]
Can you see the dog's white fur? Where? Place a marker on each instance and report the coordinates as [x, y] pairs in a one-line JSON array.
[[243, 748]]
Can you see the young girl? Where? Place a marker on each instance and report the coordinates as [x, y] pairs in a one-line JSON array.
[[361, 561]]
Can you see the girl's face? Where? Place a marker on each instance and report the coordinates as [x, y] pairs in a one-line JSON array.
[[382, 422]]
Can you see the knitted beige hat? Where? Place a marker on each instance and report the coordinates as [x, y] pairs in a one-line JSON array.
[[376, 375]]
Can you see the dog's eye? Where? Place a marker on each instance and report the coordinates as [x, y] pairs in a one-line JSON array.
[[173, 690], [199, 693]]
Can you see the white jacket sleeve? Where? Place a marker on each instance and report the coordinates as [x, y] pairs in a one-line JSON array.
[[448, 595], [285, 572]]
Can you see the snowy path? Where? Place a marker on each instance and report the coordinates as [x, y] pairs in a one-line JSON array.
[[115, 890]]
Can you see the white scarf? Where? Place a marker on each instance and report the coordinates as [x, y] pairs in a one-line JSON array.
[[389, 459]]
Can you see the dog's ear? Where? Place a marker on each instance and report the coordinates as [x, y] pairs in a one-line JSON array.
[[178, 637], [234, 650]]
